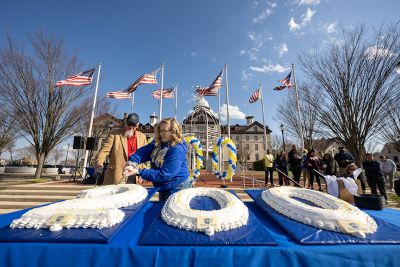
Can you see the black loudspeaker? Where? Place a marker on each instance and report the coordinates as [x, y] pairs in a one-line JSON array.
[[79, 142], [92, 143]]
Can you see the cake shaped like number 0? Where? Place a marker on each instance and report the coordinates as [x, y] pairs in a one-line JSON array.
[[93, 208]]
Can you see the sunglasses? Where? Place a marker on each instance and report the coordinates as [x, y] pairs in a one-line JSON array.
[[131, 124]]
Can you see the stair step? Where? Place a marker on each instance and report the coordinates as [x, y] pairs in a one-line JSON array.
[[46, 187], [19, 205], [34, 198], [10, 192], [4, 211]]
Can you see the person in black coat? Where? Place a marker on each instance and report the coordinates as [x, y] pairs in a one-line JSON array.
[[295, 159], [343, 159], [312, 163], [327, 164], [374, 174], [280, 163]]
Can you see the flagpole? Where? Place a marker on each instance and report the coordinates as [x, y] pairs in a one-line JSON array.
[[161, 89], [298, 110], [263, 116], [91, 122], [227, 101], [133, 100], [176, 99], [219, 114]]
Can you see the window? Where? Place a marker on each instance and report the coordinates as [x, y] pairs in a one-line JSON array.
[[256, 138], [247, 137], [257, 157], [237, 137], [248, 156], [247, 146], [396, 159], [256, 147]]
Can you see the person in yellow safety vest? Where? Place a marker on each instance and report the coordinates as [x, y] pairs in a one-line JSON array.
[[269, 167]]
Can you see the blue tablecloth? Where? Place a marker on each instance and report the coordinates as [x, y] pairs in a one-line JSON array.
[[124, 251], [73, 235]]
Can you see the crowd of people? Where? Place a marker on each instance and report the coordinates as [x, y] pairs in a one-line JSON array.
[[310, 165]]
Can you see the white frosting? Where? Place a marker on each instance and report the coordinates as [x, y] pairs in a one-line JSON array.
[[93, 208], [177, 211], [331, 214]]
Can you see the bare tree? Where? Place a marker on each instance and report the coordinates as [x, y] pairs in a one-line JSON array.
[[391, 133], [10, 148], [45, 114], [288, 115], [355, 80], [8, 130], [101, 123], [56, 154], [276, 143]]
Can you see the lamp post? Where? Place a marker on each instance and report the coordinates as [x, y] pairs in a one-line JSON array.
[[283, 136], [66, 157]]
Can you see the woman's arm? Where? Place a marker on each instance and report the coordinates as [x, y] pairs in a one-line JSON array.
[[171, 166], [142, 154]]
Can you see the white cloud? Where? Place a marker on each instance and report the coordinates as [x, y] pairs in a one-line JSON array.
[[259, 41], [272, 5], [266, 13], [308, 2], [270, 68], [234, 113], [307, 16], [246, 76], [330, 27], [376, 51], [192, 98], [214, 59], [195, 54], [282, 49], [293, 26]]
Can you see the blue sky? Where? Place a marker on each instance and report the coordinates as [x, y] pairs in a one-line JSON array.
[[259, 40]]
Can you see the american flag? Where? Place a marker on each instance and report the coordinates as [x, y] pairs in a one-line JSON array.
[[206, 91], [119, 95], [148, 78], [80, 79], [255, 96], [167, 93], [281, 87], [286, 81], [212, 90]]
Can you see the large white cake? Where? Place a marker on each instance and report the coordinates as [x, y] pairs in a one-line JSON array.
[[92, 208], [331, 214], [177, 211]]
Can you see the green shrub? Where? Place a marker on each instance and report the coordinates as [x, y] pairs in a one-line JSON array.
[[258, 165]]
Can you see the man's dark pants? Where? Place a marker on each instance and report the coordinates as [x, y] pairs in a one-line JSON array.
[[379, 182], [270, 171]]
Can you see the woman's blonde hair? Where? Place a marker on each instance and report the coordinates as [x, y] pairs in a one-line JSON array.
[[174, 127], [351, 166]]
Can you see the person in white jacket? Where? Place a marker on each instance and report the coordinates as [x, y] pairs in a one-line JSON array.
[[388, 170]]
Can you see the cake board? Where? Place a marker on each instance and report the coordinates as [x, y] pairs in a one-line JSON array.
[[387, 233], [72, 235], [159, 233]]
